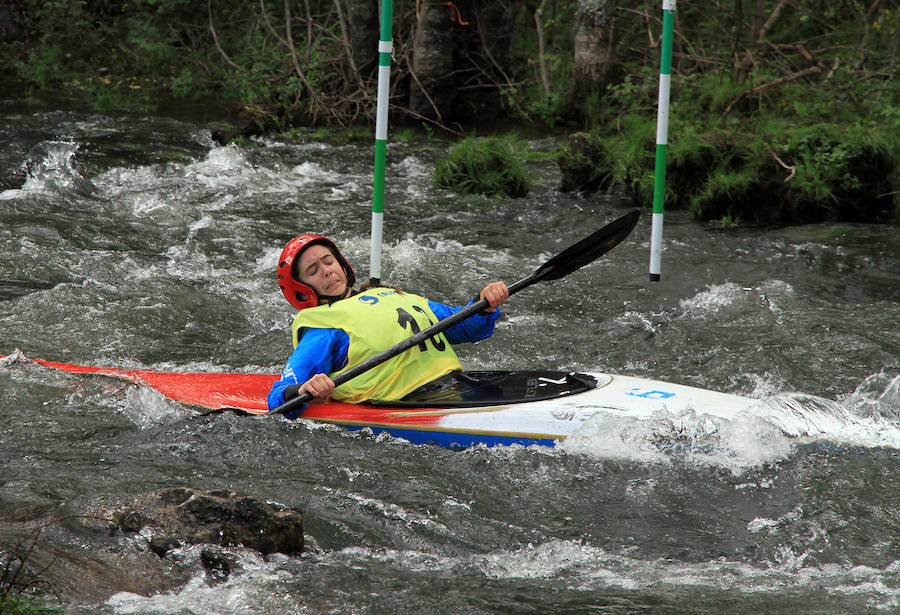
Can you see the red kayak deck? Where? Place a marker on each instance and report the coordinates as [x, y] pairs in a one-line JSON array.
[[209, 390], [247, 392]]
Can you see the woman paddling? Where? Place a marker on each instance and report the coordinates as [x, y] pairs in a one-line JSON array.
[[337, 327]]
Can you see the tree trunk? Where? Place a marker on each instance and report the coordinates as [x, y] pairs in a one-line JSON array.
[[594, 61], [432, 91]]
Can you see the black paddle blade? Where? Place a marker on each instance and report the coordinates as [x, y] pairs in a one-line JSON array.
[[588, 249]]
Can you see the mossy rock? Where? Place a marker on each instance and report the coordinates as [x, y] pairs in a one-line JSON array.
[[585, 163]]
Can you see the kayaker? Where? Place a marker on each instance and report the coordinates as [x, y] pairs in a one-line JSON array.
[[337, 327]]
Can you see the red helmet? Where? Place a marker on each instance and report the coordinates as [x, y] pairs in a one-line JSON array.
[[298, 294]]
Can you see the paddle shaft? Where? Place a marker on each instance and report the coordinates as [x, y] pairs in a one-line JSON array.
[[564, 263], [403, 346]]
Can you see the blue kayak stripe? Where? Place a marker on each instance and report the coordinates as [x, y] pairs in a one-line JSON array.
[[452, 440]]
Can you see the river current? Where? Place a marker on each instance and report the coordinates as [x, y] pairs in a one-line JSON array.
[[136, 241]]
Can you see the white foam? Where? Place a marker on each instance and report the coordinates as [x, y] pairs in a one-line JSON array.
[[764, 433], [718, 297], [148, 407], [258, 586], [413, 167], [586, 567], [426, 251], [772, 526], [711, 300], [690, 437], [810, 419], [311, 172], [50, 167], [251, 588], [877, 395]]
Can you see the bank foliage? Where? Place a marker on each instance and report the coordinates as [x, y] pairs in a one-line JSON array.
[[18, 583], [782, 110]]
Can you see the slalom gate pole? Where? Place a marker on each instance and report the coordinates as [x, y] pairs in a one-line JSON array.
[[385, 48], [662, 141]]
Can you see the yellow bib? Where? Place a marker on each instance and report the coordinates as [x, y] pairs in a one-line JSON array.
[[375, 320]]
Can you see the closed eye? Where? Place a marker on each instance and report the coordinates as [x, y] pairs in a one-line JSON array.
[[314, 268]]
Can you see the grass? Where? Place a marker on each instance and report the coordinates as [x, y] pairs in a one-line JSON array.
[[492, 166]]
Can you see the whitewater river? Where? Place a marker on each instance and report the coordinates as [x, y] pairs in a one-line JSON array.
[[136, 242]]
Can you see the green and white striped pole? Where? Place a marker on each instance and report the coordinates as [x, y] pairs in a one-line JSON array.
[[385, 47], [662, 141]]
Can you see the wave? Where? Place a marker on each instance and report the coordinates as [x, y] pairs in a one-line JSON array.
[[552, 568], [767, 432], [51, 168]]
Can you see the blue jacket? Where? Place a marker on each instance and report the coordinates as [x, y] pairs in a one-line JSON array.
[[323, 351]]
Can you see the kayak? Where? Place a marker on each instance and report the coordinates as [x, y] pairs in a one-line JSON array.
[[527, 408], [484, 407]]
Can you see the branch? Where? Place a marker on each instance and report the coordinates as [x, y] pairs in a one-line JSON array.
[[309, 30], [346, 43], [790, 168], [487, 52], [290, 37], [434, 108], [771, 20], [542, 62], [801, 49], [289, 43], [430, 121], [212, 29], [812, 70]]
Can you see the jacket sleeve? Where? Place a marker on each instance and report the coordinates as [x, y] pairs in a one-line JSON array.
[[477, 327], [320, 351]]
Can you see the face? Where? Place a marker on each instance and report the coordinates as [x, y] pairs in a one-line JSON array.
[[322, 271]]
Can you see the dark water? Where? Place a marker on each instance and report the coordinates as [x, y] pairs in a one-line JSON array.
[[133, 241]]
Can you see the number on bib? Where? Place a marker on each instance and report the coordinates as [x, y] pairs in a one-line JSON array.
[[404, 318]]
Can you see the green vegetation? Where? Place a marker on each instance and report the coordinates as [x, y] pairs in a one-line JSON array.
[[781, 111], [12, 604], [492, 166], [761, 174], [790, 120], [755, 168]]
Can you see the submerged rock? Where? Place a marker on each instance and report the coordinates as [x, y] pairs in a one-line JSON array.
[[221, 517]]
